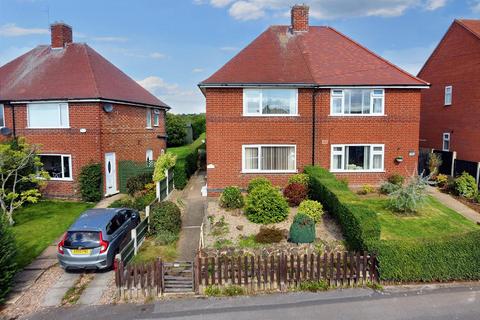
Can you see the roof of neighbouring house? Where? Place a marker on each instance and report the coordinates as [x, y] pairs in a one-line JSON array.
[[471, 25], [321, 56], [74, 72]]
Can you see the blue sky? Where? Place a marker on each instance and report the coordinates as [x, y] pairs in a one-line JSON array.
[[170, 46]]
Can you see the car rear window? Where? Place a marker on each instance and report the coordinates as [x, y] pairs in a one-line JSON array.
[[84, 239]]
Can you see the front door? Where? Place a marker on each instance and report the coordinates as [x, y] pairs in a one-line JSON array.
[[110, 174]]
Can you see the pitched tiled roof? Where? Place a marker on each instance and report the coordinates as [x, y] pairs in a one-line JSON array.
[[472, 25], [75, 72], [321, 56]]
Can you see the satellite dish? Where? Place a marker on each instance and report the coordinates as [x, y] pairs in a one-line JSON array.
[[5, 131], [107, 107]]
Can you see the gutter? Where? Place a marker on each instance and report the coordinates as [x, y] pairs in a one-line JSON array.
[[166, 107]]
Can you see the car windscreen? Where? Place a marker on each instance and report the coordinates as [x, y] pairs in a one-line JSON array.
[[84, 239]]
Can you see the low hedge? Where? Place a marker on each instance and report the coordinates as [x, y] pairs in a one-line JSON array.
[[184, 168], [436, 259], [359, 223], [90, 181]]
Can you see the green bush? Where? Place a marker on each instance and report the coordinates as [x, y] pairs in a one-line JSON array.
[[180, 176], [359, 223], [441, 180], [258, 182], [90, 181], [396, 179], [302, 229], [311, 208], [411, 197], [366, 189], [138, 182], [301, 178], [266, 205], [233, 290], [165, 216], [166, 237], [8, 252], [213, 291], [269, 235], [466, 186], [434, 163], [313, 286], [444, 259], [231, 198], [126, 202], [388, 188], [141, 201]]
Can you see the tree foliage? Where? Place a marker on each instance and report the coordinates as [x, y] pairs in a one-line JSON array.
[[176, 130]]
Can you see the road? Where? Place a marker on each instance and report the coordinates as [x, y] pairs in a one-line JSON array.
[[440, 304]]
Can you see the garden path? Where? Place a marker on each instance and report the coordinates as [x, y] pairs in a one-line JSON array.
[[454, 204]]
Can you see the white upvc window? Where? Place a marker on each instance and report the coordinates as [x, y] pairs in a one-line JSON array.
[[58, 166], [357, 158], [270, 102], [446, 141], [149, 118], [448, 95], [149, 156], [269, 158], [357, 102], [156, 117], [48, 115], [2, 116]]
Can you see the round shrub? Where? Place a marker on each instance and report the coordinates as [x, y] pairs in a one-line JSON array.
[[91, 182], [269, 235], [301, 178], [295, 193], [441, 180], [231, 198], [388, 188], [302, 229], [466, 186], [311, 208], [258, 182], [396, 179], [8, 252], [366, 189], [165, 216], [138, 182], [266, 205]]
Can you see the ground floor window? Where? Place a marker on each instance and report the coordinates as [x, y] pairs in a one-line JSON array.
[[58, 166], [357, 157], [269, 158]]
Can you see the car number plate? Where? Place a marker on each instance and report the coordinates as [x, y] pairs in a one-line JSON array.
[[81, 251]]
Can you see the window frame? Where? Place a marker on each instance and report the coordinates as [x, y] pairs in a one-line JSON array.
[[59, 104], [70, 165], [149, 118], [156, 117], [260, 114], [2, 108], [450, 94], [259, 146], [372, 153], [444, 135], [372, 97], [149, 162]]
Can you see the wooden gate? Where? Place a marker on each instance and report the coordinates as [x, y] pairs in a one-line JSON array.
[[178, 277]]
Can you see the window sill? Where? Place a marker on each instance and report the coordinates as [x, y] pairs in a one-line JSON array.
[[357, 171], [271, 115], [357, 115], [149, 128], [269, 171], [61, 179], [48, 127]]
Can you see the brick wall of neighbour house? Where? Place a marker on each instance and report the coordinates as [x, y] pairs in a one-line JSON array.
[[123, 131], [228, 130], [456, 62]]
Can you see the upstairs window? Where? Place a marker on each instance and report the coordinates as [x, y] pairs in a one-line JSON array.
[[48, 115], [448, 95], [446, 142], [357, 101], [59, 167], [357, 158], [149, 118], [2, 116], [270, 102], [156, 117]]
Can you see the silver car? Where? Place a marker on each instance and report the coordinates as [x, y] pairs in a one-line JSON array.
[[96, 237]]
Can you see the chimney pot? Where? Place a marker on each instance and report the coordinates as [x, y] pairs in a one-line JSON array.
[[299, 16], [61, 34]]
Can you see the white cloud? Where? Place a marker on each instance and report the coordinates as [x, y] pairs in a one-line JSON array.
[[409, 59], [229, 48], [12, 30], [197, 70], [324, 9], [180, 99], [110, 39], [475, 5], [157, 55]]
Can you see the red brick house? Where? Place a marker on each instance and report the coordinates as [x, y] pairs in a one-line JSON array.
[[450, 113], [80, 109], [301, 95]]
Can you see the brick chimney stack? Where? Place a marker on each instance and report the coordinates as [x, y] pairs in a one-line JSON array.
[[299, 15], [61, 34]]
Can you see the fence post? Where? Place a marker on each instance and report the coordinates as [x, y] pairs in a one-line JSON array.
[[134, 237], [166, 179], [147, 216], [454, 156], [157, 187], [478, 173]]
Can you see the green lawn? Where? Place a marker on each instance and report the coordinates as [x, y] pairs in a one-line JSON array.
[[183, 151], [38, 225], [149, 251], [433, 219]]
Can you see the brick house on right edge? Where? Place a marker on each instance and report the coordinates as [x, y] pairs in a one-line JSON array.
[[301, 95], [450, 113]]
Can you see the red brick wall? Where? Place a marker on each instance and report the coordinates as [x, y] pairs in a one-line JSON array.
[[455, 62], [299, 17], [228, 130], [122, 131]]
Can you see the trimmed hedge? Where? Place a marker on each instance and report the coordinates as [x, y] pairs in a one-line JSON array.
[[184, 168], [359, 223], [8, 253], [90, 181], [436, 259]]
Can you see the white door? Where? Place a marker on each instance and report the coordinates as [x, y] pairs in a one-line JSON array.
[[110, 174]]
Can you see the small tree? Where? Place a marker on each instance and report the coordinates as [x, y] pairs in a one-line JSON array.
[[176, 130], [18, 161], [164, 162]]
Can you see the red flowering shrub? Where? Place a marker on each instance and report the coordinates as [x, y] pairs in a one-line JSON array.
[[295, 193]]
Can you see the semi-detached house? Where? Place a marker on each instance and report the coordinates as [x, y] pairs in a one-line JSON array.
[[80, 109], [301, 95]]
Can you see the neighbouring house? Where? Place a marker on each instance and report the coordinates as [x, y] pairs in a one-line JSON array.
[[301, 95], [450, 113], [80, 109]]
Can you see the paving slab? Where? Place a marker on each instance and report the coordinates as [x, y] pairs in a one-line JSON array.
[[95, 289], [55, 295], [41, 264], [27, 276], [454, 204]]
